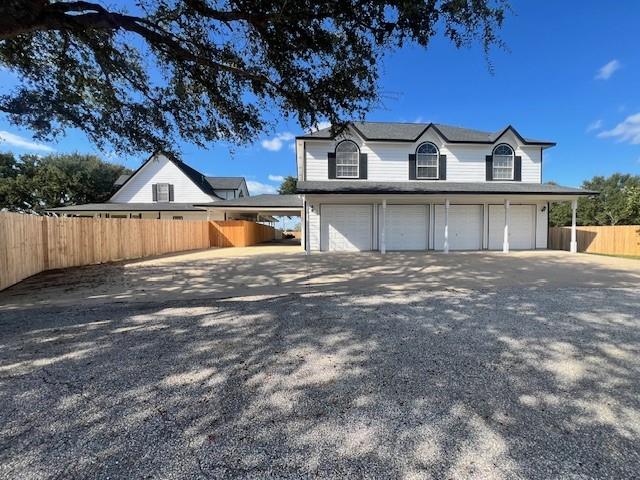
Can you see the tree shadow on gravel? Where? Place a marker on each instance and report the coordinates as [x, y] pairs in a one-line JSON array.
[[182, 277], [479, 383]]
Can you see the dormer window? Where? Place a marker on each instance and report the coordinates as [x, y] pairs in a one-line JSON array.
[[503, 157], [347, 160], [427, 161]]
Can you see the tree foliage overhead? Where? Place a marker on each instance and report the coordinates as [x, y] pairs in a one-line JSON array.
[[617, 204], [33, 184], [139, 76]]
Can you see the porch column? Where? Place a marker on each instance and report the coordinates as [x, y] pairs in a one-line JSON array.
[[303, 226], [446, 226], [507, 218], [574, 238], [383, 230]]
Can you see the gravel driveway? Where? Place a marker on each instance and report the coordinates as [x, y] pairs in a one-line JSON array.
[[352, 382]]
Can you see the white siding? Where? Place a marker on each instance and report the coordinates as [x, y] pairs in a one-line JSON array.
[[542, 225], [190, 215], [317, 165], [389, 162], [160, 170], [313, 212], [300, 158]]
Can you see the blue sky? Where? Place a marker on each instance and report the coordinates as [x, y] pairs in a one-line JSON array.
[[571, 75]]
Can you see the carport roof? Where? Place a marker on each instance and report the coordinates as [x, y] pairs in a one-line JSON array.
[[258, 201], [128, 207], [342, 186]]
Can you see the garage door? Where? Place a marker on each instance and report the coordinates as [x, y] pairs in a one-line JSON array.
[[465, 227], [346, 228], [522, 227], [406, 227]]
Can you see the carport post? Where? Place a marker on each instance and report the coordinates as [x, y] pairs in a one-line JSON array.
[[446, 226], [574, 240], [383, 234], [507, 218]]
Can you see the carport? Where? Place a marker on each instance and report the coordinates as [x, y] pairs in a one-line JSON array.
[[259, 208]]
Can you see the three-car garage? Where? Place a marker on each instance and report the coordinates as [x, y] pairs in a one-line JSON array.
[[417, 227]]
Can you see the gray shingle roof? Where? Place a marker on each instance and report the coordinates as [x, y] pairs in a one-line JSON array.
[[128, 207], [121, 179], [225, 183], [410, 132], [341, 186], [266, 201]]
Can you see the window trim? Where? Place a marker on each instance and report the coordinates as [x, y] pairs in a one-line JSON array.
[[357, 175], [513, 163], [437, 176], [158, 200]]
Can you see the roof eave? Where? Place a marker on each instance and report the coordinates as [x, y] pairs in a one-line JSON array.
[[442, 192]]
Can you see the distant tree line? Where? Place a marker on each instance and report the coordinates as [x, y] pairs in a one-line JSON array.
[[617, 204], [32, 183]]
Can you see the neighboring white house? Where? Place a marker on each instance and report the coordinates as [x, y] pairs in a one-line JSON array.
[[164, 188], [410, 186]]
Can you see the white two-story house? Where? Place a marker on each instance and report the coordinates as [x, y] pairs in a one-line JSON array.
[[410, 186], [164, 187]]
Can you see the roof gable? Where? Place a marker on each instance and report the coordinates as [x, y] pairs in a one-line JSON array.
[[411, 132], [192, 175], [225, 183]]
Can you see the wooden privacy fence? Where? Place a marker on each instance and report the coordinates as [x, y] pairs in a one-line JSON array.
[[31, 244], [613, 240], [239, 233]]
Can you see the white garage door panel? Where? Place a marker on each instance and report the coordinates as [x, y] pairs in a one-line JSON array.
[[346, 228], [465, 227], [406, 227], [522, 224]]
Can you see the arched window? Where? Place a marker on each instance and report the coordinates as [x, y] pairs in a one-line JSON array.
[[503, 162], [347, 160], [427, 161]]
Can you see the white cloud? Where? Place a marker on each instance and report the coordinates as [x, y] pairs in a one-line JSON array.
[[275, 144], [276, 178], [626, 131], [607, 70], [21, 142], [593, 126], [292, 146], [258, 188]]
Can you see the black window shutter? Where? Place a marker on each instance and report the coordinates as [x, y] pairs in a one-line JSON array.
[[331, 156], [412, 166], [171, 192], [443, 167], [489, 162], [517, 169], [363, 166], [154, 190]]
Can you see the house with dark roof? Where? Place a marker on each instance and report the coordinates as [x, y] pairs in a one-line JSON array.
[[425, 186], [164, 187]]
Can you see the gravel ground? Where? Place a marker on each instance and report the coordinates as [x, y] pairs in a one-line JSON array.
[[469, 383]]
